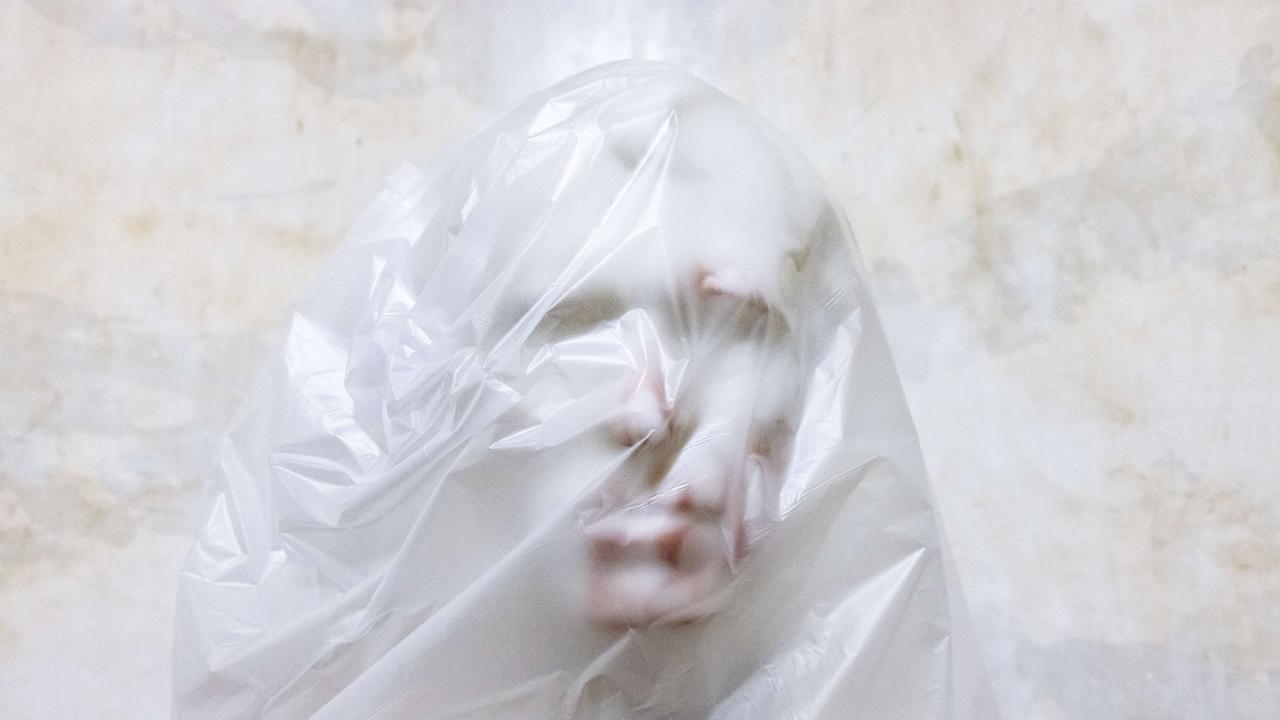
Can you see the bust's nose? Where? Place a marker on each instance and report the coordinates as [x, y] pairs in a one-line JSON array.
[[645, 412]]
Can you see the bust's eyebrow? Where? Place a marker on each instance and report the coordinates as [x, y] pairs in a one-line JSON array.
[[591, 300], [751, 305], [730, 282]]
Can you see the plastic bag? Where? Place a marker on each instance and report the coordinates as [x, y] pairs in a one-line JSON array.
[[592, 418]]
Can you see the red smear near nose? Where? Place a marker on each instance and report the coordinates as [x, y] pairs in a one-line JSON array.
[[669, 544]]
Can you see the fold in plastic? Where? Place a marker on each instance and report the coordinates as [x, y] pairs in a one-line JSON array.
[[590, 418]]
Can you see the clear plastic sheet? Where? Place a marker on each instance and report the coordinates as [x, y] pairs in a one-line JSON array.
[[591, 418]]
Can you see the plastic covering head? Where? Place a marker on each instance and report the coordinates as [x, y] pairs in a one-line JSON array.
[[590, 419]]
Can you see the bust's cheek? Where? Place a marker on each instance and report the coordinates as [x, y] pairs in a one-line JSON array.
[[612, 379]]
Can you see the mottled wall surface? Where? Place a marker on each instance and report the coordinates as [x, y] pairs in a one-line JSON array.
[[1070, 212]]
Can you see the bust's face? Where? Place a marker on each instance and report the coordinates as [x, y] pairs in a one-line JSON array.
[[674, 371], [654, 356]]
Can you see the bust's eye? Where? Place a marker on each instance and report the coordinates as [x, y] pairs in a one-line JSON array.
[[742, 320], [579, 312]]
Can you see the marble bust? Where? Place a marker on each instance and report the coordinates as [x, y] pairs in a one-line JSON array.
[[592, 417]]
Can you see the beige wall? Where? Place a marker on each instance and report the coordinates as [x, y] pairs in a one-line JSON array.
[[1069, 211]]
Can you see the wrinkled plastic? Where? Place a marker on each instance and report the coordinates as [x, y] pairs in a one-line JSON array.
[[591, 418]]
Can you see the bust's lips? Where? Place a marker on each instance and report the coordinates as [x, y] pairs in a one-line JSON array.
[[659, 563]]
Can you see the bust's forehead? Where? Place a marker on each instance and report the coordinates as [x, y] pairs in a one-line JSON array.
[[678, 182]]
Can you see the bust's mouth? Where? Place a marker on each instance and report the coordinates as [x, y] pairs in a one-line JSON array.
[[662, 562]]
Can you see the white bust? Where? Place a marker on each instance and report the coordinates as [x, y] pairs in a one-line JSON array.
[[592, 419]]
